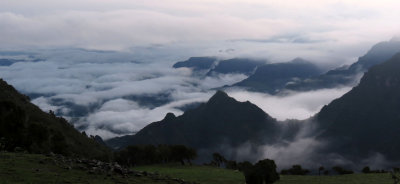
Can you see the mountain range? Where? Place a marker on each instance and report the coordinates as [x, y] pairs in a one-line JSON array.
[[271, 78], [348, 75], [362, 122], [222, 120]]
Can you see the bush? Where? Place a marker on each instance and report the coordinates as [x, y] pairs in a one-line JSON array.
[[262, 172], [295, 170], [150, 154], [341, 171]]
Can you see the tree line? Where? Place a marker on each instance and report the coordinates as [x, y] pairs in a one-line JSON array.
[[150, 154]]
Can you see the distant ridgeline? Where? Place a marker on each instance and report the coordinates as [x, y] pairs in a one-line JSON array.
[[209, 66], [23, 126], [363, 122], [347, 75], [296, 75]]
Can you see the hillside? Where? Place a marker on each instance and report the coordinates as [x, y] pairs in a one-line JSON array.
[[41, 169], [24, 126], [366, 120]]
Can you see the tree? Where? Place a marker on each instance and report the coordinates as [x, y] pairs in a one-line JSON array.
[[341, 170], [395, 175], [320, 169], [231, 164], [243, 166], [218, 159], [366, 170], [295, 170], [58, 144], [262, 172], [190, 154]]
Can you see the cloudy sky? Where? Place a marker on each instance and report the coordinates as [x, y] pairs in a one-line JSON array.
[[258, 28], [99, 56]]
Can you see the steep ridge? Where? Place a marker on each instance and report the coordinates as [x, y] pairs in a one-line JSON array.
[[24, 126], [366, 120]]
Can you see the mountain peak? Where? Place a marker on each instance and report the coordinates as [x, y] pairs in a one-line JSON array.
[[219, 96], [169, 116], [299, 60]]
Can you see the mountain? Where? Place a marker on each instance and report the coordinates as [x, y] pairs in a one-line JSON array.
[[236, 65], [23, 125], [197, 63], [212, 66], [347, 76], [222, 120], [366, 120], [271, 78]]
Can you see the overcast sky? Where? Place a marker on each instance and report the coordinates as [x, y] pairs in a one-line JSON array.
[[326, 31]]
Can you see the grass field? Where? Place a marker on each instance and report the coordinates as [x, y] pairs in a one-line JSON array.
[[30, 168], [212, 175], [26, 168]]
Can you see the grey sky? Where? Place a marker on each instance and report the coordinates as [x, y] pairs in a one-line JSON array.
[[317, 30]]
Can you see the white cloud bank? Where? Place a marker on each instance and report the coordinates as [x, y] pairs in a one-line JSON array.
[[301, 105]]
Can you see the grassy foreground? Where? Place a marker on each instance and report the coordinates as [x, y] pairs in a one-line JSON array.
[[212, 175], [32, 168]]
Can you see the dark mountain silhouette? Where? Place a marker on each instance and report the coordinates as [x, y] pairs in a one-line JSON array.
[[23, 125], [222, 120], [236, 65], [271, 78], [197, 63], [347, 76], [366, 120]]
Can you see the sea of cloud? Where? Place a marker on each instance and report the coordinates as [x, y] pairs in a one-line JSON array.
[[112, 93]]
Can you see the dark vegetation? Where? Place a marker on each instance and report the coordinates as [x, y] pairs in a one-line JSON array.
[[341, 171], [23, 126], [295, 170], [367, 170], [149, 154], [264, 171]]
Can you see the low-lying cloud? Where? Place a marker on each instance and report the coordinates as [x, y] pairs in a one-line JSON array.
[[294, 105], [112, 94], [108, 93]]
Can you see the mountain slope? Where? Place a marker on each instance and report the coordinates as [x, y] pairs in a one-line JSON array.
[[348, 75], [366, 120], [24, 125], [236, 65], [273, 77], [222, 120]]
